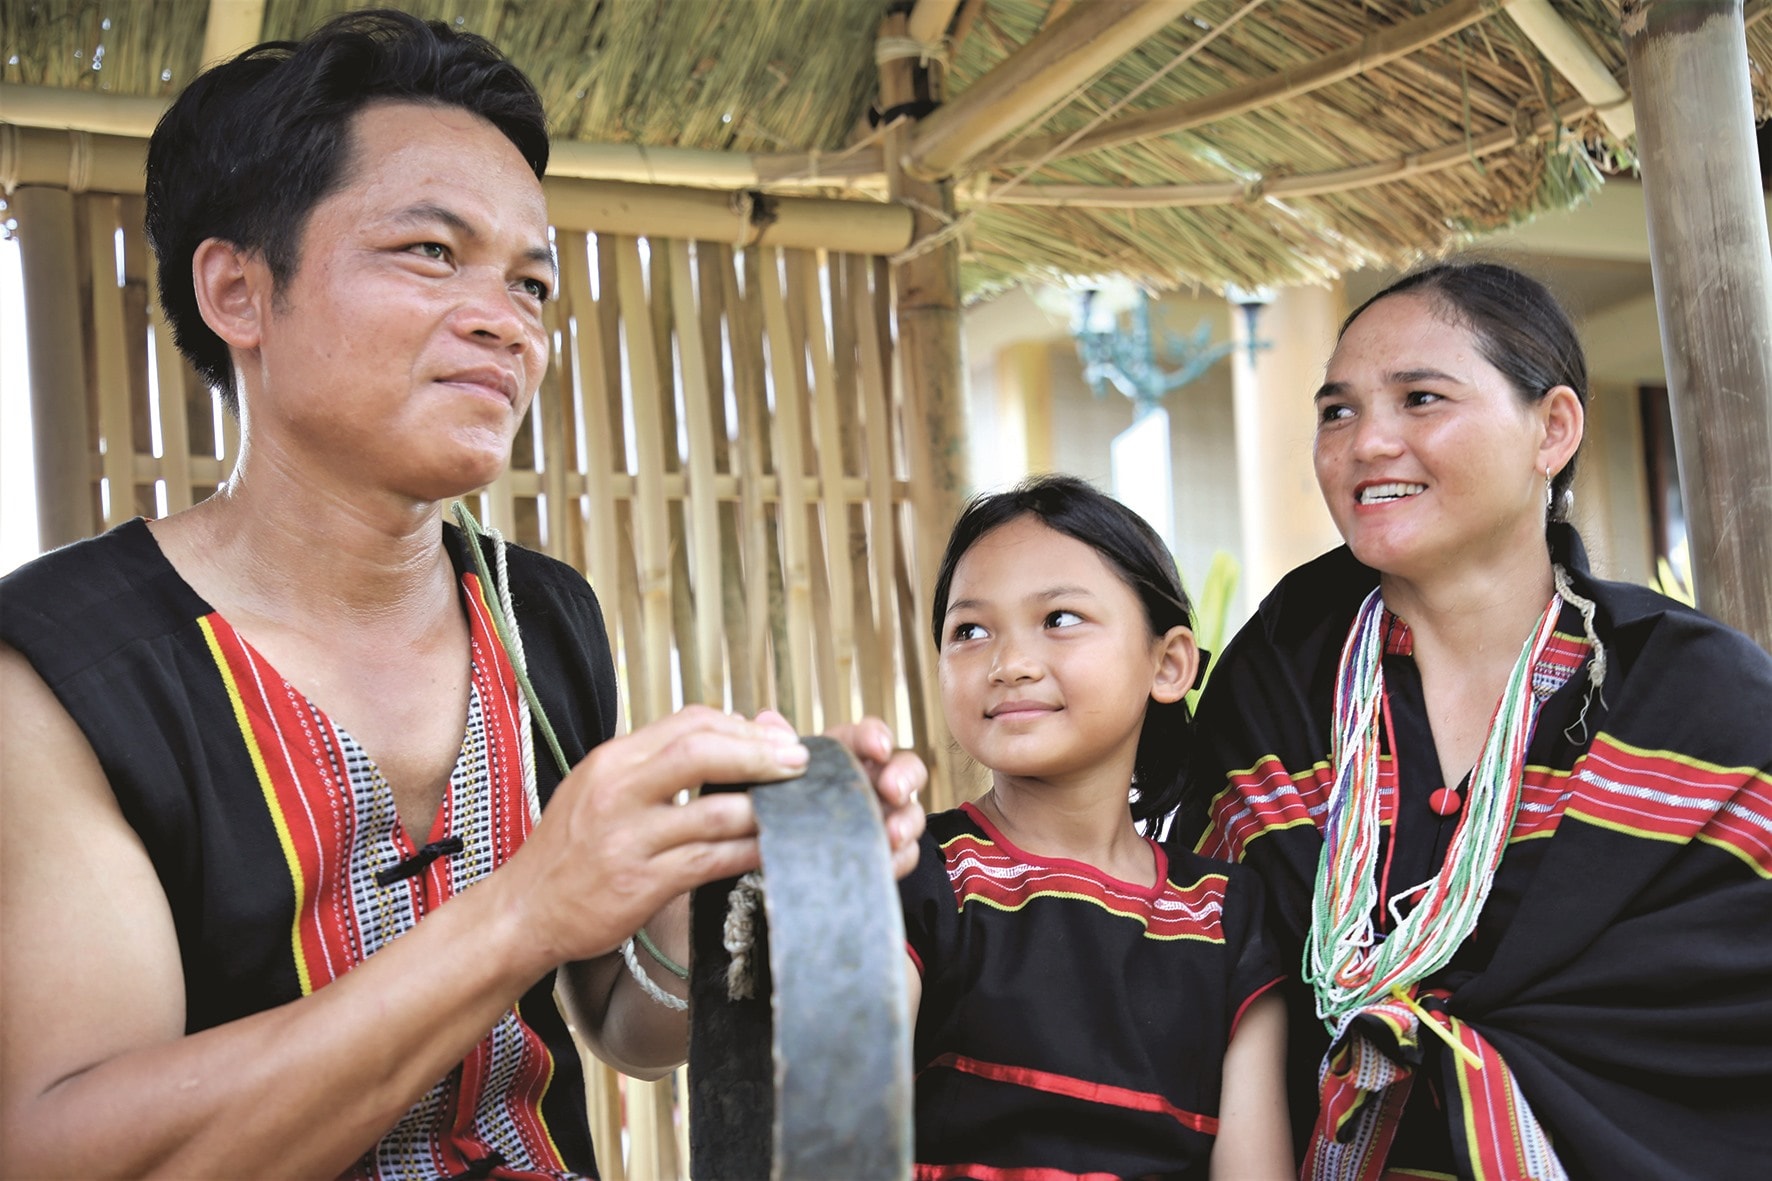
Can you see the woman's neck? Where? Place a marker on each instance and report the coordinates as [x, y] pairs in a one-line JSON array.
[[1474, 615]]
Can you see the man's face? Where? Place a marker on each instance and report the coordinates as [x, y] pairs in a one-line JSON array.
[[408, 344]]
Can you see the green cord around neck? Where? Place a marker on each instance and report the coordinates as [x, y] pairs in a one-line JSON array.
[[506, 627]]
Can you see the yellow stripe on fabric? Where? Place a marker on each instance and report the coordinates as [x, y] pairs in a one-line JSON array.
[[271, 803], [1498, 1080], [1574, 813], [1734, 850], [546, 1083]]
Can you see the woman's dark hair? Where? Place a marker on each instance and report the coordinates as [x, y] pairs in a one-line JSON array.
[[1520, 329], [250, 147], [1132, 548]]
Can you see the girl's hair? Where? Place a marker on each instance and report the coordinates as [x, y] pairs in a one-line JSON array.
[[1519, 326], [1132, 548]]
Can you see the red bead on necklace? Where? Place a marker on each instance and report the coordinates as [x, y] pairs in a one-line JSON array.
[[1446, 801]]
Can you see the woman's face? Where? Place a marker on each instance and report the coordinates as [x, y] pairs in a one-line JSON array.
[[1429, 460]]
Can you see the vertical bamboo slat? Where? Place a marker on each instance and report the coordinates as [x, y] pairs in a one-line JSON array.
[[111, 365], [787, 366], [714, 276], [174, 468], [877, 424], [651, 524], [590, 399], [744, 318], [703, 515], [838, 689]]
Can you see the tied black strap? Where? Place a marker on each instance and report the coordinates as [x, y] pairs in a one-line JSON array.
[[417, 864], [482, 1168]]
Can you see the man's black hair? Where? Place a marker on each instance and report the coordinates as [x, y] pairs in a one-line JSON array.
[[1132, 549], [251, 146]]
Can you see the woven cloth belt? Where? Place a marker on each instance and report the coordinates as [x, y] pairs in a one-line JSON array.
[[1366, 1079]]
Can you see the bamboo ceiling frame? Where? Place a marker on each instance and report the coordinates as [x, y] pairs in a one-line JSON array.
[[1312, 184], [1068, 51]]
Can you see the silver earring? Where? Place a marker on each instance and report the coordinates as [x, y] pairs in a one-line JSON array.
[[1550, 495]]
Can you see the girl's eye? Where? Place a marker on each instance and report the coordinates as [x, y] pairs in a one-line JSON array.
[[1332, 412], [965, 631], [1420, 398], [1063, 619], [431, 250]]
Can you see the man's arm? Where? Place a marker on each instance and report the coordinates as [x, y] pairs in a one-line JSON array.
[[96, 1075]]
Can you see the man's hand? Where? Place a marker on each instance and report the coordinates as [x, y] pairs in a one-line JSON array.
[[613, 845]]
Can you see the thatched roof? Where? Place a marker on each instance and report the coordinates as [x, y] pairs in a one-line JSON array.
[[1470, 129]]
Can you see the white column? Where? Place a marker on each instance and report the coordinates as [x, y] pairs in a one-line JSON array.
[[1283, 518]]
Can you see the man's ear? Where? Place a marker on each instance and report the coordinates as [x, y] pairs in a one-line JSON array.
[[1179, 659], [233, 290]]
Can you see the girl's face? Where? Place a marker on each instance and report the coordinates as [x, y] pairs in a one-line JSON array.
[[1047, 660], [1426, 455]]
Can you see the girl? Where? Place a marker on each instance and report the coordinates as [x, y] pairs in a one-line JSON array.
[[1085, 1005]]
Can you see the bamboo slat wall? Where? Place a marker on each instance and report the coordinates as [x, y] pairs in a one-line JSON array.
[[718, 445]]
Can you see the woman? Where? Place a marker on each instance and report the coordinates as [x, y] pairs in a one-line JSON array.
[[1515, 822]]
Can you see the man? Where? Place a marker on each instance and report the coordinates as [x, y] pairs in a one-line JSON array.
[[234, 772]]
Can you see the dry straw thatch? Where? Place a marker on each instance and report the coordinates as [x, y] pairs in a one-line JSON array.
[[1470, 131]]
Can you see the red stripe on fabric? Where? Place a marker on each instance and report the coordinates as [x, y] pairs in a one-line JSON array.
[[1649, 793], [976, 1172], [510, 823], [1076, 1088], [981, 872], [310, 799], [915, 958], [1250, 1000], [1257, 801]]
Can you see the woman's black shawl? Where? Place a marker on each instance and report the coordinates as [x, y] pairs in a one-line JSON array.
[[1631, 993]]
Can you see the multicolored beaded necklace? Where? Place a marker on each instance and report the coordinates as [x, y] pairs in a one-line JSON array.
[[1347, 963]]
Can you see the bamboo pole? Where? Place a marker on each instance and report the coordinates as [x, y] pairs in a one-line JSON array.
[[1372, 51], [1709, 252], [932, 400], [1073, 49], [1309, 184], [77, 160], [60, 434], [1576, 61], [929, 20], [233, 25], [135, 117]]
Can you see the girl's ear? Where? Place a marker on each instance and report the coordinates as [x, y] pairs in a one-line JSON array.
[[1178, 658], [233, 290]]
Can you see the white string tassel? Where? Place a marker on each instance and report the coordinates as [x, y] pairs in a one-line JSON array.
[[1596, 669], [740, 935]]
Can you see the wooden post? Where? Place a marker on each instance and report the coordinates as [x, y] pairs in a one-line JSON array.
[[60, 433], [926, 289], [1709, 252]]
